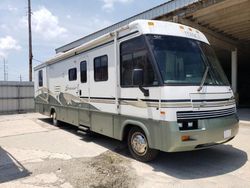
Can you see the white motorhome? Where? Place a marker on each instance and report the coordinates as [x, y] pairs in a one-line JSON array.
[[156, 84]]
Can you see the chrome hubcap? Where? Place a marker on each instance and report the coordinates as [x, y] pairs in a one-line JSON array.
[[139, 143], [54, 118]]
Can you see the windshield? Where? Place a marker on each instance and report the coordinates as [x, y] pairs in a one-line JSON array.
[[184, 61]]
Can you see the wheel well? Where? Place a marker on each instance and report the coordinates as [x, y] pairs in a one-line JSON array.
[[52, 111], [126, 130]]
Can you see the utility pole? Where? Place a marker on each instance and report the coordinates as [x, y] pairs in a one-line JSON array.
[[20, 78], [4, 70], [30, 42]]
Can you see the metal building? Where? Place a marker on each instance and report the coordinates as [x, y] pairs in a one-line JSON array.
[[226, 23], [16, 97]]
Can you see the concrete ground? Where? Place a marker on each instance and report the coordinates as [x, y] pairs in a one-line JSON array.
[[34, 153]]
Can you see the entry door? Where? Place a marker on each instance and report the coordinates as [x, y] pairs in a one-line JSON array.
[[83, 91]]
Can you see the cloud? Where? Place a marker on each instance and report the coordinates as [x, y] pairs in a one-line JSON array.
[[8, 43], [109, 4], [88, 26], [3, 26], [68, 16], [12, 8], [92, 25], [45, 24], [98, 23]]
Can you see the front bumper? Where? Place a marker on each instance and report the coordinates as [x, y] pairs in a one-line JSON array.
[[211, 132]]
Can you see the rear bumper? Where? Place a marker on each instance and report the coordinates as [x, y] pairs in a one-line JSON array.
[[211, 132]]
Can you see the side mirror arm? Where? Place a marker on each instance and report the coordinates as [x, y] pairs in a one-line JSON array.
[[144, 91]]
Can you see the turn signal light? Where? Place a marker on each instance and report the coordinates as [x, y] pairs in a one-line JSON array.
[[185, 138], [162, 113]]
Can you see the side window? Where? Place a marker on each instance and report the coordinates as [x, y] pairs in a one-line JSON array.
[[134, 55], [101, 68], [72, 74], [83, 71], [40, 78]]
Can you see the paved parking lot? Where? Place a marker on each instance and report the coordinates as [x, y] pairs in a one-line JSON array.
[[34, 153]]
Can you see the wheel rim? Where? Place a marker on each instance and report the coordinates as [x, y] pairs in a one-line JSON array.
[[139, 143], [54, 118]]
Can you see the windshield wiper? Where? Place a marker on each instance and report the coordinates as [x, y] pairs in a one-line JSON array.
[[203, 78]]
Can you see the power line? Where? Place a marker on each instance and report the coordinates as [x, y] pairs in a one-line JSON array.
[[37, 60]]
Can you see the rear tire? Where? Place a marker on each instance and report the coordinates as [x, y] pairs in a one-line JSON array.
[[138, 146]]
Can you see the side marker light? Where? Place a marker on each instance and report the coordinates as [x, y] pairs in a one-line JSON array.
[[185, 138], [151, 23], [162, 113]]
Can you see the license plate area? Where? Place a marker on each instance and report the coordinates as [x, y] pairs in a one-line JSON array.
[[227, 133]]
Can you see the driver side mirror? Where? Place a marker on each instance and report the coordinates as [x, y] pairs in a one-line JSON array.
[[138, 77]]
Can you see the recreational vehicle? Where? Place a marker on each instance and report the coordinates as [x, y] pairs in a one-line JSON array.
[[157, 85]]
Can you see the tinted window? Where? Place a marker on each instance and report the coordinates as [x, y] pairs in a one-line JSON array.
[[40, 78], [184, 61], [101, 68], [72, 74], [135, 55], [83, 69]]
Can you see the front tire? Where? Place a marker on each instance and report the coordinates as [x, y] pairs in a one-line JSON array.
[[54, 119], [138, 146]]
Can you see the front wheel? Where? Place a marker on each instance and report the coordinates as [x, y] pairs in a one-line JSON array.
[[54, 119], [138, 146]]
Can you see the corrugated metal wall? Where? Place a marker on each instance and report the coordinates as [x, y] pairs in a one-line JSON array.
[[16, 97]]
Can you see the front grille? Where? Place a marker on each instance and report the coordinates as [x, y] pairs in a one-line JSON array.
[[184, 115]]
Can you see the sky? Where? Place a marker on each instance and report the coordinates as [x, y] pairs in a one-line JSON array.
[[54, 24]]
